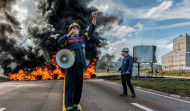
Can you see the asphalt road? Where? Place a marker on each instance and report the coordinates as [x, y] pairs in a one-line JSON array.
[[97, 95], [100, 95], [31, 95]]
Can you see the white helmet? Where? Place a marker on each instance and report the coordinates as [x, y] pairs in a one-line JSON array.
[[125, 49]]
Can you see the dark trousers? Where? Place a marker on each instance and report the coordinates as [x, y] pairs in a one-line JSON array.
[[126, 78], [73, 86]]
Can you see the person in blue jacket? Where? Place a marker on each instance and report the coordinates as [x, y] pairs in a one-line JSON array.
[[126, 72], [74, 74]]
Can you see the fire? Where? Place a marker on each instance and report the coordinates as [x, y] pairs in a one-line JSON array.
[[91, 69], [40, 73], [46, 73], [21, 76]]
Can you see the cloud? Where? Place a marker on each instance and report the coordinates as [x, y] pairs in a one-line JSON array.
[[169, 26], [117, 43], [164, 0], [162, 7], [165, 43], [139, 26], [114, 48], [163, 46], [118, 38], [120, 31], [25, 11], [106, 8], [166, 10], [103, 8], [170, 46]]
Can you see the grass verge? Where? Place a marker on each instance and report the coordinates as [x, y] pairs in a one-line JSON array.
[[107, 74], [172, 86], [182, 73]]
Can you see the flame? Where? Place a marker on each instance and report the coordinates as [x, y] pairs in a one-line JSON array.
[[42, 73], [46, 73], [21, 76], [91, 69]]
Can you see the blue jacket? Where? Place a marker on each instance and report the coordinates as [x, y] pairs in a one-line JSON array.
[[127, 64], [77, 46]]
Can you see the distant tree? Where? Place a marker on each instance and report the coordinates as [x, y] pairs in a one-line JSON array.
[[109, 57], [105, 61], [120, 59], [102, 65], [111, 66]]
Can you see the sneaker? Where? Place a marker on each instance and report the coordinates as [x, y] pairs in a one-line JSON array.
[[123, 94], [77, 109], [133, 95], [71, 109]]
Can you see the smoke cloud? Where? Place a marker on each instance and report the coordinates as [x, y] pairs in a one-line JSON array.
[[50, 21]]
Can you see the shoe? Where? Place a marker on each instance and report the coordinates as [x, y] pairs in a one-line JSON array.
[[71, 110], [76, 109], [133, 95], [123, 94]]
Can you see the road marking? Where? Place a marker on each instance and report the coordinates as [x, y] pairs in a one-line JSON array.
[[164, 96], [142, 107], [18, 85], [63, 106], [1, 109], [151, 93], [64, 109]]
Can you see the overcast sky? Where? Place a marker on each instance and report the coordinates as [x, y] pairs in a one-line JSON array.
[[146, 22]]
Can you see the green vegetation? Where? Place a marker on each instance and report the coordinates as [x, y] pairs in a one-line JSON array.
[[1, 75], [166, 73], [147, 71], [173, 86], [105, 60], [2, 80], [174, 73], [107, 74]]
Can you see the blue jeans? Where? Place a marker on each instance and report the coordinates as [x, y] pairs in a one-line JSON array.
[[73, 86]]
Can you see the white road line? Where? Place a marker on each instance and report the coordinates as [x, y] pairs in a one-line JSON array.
[[142, 107], [1, 109], [164, 96], [151, 93], [18, 85]]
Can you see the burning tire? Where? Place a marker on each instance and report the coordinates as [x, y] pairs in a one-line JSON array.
[[39, 77], [93, 75]]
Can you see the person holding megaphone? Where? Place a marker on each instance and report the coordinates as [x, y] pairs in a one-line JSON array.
[[74, 74]]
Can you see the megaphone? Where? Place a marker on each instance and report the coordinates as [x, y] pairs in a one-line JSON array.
[[65, 58]]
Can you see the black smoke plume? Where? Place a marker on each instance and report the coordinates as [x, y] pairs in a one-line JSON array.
[[55, 18]]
